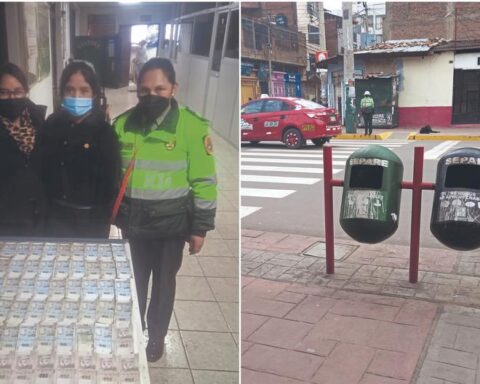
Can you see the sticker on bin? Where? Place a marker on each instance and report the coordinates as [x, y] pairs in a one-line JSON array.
[[123, 292]]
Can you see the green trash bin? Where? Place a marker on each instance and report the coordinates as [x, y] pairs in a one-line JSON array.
[[371, 194]]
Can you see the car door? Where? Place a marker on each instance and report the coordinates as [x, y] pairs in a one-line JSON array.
[[249, 121], [272, 119]]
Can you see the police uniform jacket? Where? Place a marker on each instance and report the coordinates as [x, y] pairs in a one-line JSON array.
[[172, 188]]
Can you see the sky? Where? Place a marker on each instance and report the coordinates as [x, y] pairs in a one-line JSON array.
[[333, 5]]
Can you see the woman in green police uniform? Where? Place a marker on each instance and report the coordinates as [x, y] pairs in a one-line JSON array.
[[171, 193]]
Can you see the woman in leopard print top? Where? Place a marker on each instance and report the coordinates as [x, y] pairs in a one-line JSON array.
[[21, 192]]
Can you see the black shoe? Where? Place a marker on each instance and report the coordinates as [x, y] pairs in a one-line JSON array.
[[155, 349]]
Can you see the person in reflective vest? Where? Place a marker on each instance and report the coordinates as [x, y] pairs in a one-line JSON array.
[[170, 195], [367, 107]]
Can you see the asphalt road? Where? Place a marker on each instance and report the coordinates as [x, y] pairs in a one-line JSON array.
[[282, 189]]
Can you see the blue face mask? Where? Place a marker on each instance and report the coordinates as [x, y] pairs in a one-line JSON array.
[[77, 106]]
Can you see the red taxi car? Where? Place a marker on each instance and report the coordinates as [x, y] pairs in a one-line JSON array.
[[288, 119]]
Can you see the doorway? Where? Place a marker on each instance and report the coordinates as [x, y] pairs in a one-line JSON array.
[[466, 97], [144, 41]]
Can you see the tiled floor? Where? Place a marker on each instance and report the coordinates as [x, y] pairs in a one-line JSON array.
[[202, 344]]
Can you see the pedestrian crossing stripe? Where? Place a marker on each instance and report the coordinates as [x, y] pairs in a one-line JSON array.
[[270, 193], [285, 169], [344, 155], [288, 161], [245, 210], [279, 179], [273, 167]]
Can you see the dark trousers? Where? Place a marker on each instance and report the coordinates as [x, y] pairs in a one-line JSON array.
[[367, 118], [162, 258]]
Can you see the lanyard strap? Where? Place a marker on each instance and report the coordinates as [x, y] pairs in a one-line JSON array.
[[123, 188]]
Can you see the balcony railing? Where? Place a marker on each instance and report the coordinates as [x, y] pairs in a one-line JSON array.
[[287, 46]]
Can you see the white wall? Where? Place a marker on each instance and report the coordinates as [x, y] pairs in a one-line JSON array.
[[467, 60], [40, 92], [428, 82], [226, 103]]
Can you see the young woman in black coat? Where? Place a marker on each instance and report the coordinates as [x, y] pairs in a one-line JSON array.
[[80, 159], [21, 197]]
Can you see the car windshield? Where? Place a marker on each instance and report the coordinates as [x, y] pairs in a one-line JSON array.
[[308, 104]]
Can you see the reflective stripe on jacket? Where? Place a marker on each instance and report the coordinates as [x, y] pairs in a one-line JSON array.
[[367, 102], [172, 188]]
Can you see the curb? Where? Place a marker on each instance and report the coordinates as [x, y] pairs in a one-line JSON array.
[[358, 136], [433, 137]]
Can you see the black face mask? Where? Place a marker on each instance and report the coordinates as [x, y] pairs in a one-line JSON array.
[[151, 107], [12, 108]]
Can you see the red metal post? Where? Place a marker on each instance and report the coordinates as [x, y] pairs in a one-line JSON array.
[[328, 201], [416, 210]]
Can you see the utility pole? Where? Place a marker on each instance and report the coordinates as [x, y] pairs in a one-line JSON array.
[[323, 47], [270, 81], [348, 68]]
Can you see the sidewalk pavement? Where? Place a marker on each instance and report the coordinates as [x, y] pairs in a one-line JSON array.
[[366, 324], [202, 342], [460, 133]]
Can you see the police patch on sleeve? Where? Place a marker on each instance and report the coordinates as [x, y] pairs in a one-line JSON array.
[[207, 142]]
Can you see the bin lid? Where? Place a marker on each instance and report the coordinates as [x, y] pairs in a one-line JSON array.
[[374, 155], [467, 155]]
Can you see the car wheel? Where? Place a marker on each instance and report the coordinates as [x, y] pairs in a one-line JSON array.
[[319, 142], [293, 139], [254, 142]]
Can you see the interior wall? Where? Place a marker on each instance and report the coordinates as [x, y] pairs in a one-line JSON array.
[[40, 92]]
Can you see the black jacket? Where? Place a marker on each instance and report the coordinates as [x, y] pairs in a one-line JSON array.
[[80, 170], [21, 195]]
